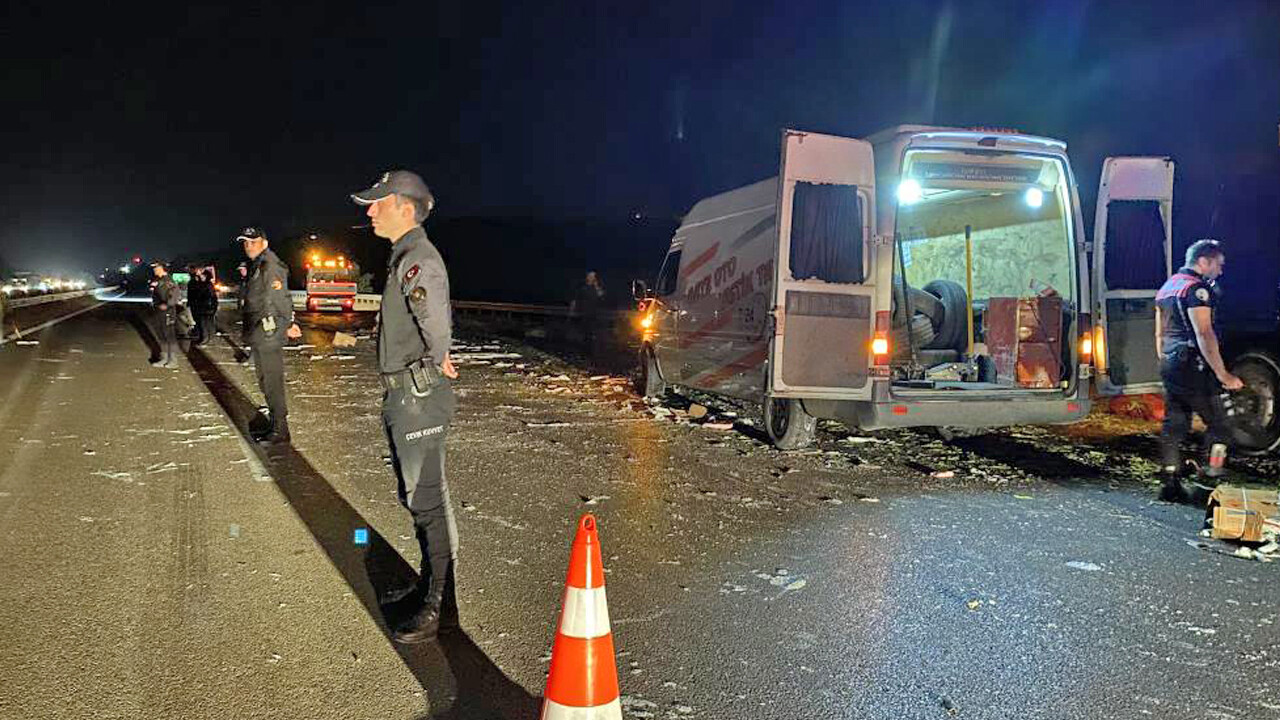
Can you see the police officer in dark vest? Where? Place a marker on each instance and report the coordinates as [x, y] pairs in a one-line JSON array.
[[267, 311], [414, 334], [1191, 364]]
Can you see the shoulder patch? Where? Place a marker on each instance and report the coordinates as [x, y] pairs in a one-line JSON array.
[[419, 294], [276, 284], [410, 275], [1202, 294]]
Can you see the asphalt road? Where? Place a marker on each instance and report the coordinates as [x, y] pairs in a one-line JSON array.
[[854, 580]]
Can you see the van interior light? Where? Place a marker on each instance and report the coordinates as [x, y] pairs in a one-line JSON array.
[[1034, 197], [910, 192]]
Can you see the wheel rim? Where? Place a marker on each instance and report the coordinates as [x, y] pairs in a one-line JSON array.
[[779, 418], [1257, 406]]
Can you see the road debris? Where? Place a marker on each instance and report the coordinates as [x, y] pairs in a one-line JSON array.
[[1242, 522], [341, 339], [1086, 566]]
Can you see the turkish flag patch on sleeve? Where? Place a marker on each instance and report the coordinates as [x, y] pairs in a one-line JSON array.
[[410, 275]]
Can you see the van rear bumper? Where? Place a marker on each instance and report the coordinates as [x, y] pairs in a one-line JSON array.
[[951, 413]]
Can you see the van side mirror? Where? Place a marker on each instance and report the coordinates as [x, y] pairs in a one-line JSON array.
[[639, 290]]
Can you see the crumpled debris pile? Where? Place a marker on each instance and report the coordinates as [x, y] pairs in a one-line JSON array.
[[1242, 522], [698, 414], [1139, 407]]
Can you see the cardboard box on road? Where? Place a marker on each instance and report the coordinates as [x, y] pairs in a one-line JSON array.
[[1241, 513]]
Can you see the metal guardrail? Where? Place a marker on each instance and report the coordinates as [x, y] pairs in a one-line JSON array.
[[503, 308], [51, 297], [366, 302]]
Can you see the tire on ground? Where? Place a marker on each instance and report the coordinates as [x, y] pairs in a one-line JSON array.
[[788, 425], [651, 384], [953, 332]]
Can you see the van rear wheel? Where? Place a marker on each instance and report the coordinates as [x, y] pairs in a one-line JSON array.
[[789, 426], [651, 384]]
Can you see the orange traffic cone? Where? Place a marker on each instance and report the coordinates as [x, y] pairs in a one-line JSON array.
[[583, 682]]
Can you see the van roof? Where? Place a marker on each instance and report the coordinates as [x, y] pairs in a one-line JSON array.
[[899, 130]]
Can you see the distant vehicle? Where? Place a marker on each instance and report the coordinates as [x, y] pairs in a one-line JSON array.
[[331, 283]]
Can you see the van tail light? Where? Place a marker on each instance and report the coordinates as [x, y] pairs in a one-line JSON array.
[[880, 342], [1086, 339], [348, 303]]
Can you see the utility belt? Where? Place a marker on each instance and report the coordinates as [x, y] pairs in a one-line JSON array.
[[1187, 355], [419, 378]]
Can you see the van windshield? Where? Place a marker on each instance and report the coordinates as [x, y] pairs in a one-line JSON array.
[[1018, 212]]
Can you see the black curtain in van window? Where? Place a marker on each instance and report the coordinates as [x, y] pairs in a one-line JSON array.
[[1135, 245], [826, 233]]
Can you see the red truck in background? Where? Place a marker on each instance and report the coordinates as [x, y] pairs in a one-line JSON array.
[[331, 283]]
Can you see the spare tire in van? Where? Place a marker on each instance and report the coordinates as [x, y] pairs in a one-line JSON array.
[[953, 332], [921, 338]]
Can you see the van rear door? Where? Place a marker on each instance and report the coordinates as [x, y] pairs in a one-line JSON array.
[[822, 301], [1132, 257]]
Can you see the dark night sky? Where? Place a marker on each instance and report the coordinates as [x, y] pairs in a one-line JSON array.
[[162, 130]]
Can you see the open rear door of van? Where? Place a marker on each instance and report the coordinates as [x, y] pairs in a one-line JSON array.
[[823, 297], [1132, 257]]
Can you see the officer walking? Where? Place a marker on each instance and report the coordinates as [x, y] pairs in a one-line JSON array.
[[1191, 364], [268, 318], [415, 330], [165, 299]]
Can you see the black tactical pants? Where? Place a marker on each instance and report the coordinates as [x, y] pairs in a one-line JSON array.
[[206, 329], [417, 426], [167, 334], [268, 362], [1190, 387]]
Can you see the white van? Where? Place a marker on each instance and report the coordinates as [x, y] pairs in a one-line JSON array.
[[923, 276]]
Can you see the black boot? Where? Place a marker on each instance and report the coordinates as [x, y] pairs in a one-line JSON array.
[[1172, 489], [425, 623], [422, 627], [277, 435]]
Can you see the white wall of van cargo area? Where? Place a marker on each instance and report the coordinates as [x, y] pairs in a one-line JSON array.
[[1016, 250]]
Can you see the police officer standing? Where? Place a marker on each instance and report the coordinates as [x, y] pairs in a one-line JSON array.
[[267, 311], [165, 299], [415, 330], [1191, 364]]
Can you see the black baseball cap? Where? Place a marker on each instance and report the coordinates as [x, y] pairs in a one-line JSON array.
[[250, 233], [396, 182]]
